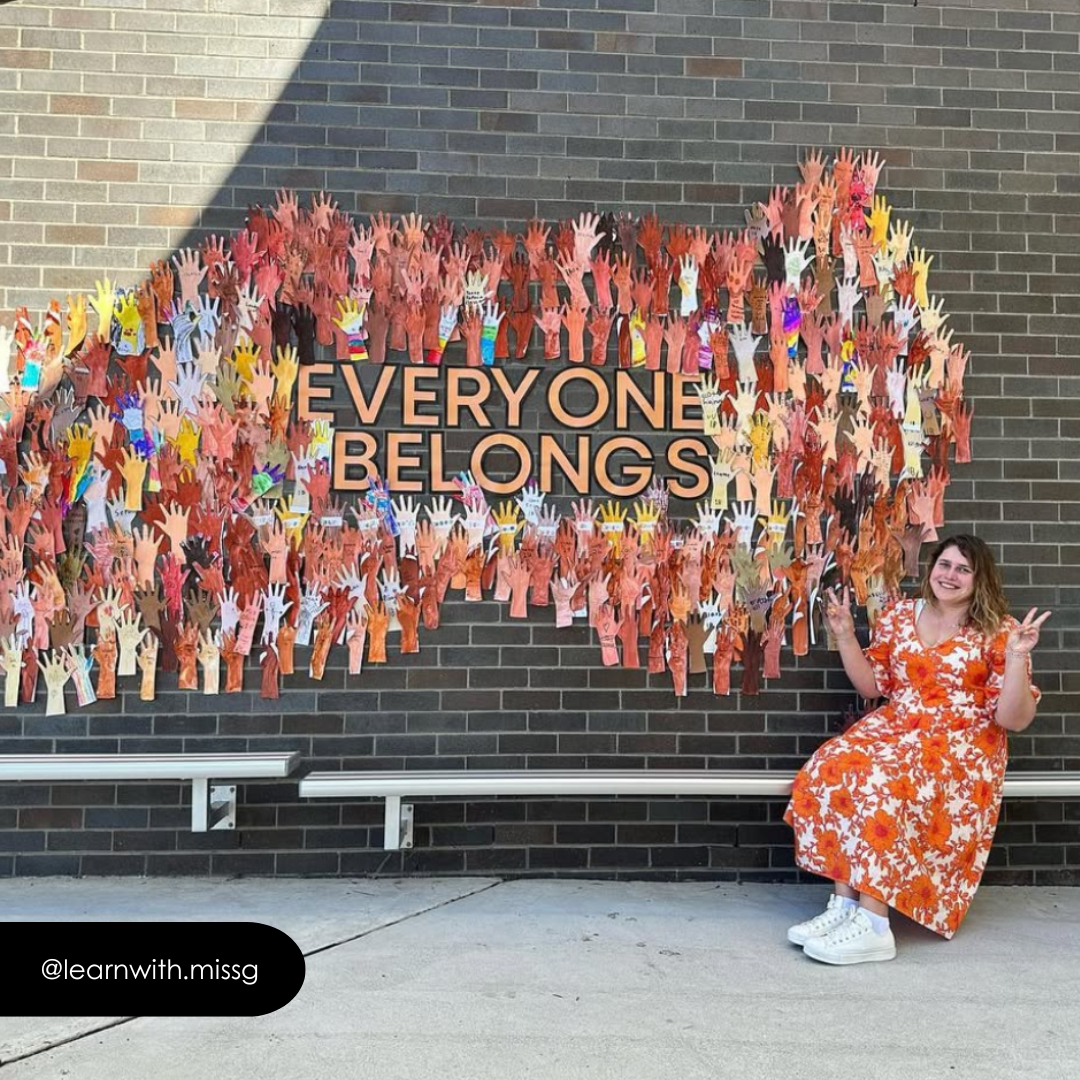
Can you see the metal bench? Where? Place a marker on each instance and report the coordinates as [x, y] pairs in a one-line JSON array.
[[393, 786], [211, 807]]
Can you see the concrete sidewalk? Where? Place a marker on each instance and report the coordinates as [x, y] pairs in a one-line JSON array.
[[474, 978]]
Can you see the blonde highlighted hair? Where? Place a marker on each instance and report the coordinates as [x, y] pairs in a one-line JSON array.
[[988, 604]]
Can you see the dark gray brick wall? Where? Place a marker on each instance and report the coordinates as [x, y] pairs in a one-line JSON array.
[[495, 113]]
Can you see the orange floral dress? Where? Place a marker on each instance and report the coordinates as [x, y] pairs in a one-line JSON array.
[[904, 804]]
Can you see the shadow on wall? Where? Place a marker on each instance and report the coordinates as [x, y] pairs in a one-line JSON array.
[[473, 111]]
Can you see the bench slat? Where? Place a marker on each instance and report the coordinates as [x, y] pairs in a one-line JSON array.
[[546, 782], [49, 767]]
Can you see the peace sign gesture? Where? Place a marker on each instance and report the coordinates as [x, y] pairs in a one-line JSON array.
[[838, 614], [1025, 636]]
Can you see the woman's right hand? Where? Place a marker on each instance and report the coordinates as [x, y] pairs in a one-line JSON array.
[[838, 615]]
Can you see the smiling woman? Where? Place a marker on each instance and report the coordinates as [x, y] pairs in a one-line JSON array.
[[900, 810]]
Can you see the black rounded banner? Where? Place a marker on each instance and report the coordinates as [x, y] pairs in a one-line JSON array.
[[149, 969]]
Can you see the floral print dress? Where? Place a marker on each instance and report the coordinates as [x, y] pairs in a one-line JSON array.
[[904, 804]]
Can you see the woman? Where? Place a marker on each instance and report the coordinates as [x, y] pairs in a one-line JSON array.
[[900, 810]]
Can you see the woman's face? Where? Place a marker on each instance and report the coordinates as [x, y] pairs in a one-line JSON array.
[[953, 577]]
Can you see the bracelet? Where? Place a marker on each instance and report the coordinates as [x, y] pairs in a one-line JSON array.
[[1015, 652]]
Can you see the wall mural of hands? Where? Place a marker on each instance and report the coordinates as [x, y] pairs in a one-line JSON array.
[[167, 425]]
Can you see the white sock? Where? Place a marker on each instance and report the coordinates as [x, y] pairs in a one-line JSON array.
[[848, 901], [880, 923]]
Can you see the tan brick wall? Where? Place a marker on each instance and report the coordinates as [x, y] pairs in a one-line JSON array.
[[119, 122]]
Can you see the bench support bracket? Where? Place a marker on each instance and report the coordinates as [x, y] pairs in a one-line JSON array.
[[212, 807]]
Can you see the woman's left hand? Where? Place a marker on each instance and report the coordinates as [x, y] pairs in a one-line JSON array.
[[1025, 636]]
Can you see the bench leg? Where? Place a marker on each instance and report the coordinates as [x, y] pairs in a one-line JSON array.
[[200, 801], [397, 824]]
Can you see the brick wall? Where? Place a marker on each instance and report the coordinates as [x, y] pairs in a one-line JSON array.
[[121, 121], [126, 131]]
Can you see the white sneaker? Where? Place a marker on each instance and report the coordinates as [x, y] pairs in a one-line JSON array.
[[853, 942], [836, 914]]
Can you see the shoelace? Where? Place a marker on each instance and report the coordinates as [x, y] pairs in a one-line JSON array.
[[850, 930], [823, 920], [832, 916]]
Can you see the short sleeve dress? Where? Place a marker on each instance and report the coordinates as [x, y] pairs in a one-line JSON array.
[[904, 804]]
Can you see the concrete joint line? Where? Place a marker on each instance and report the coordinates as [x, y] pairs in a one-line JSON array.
[[310, 952]]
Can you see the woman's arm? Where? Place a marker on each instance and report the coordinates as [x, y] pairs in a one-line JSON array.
[[1016, 705], [857, 667], [841, 624]]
